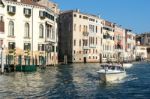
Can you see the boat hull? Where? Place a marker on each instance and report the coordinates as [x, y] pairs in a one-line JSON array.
[[110, 77]]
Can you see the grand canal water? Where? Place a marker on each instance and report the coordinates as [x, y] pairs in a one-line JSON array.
[[75, 81]]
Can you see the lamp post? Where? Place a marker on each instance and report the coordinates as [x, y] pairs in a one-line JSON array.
[[2, 60]]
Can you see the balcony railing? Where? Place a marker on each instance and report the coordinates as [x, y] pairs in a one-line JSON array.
[[85, 33], [93, 45], [11, 9], [85, 47]]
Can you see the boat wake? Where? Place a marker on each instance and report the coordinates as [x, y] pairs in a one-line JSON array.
[[126, 79], [131, 77]]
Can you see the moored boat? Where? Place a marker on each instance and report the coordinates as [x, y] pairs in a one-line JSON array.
[[111, 72]]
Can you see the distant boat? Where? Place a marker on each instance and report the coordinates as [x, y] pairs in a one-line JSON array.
[[111, 72], [127, 65]]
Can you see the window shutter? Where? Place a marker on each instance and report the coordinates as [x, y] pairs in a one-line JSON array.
[[14, 9], [29, 46], [8, 8], [30, 11], [44, 14]]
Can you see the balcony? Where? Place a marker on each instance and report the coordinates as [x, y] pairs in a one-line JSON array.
[[11, 10], [42, 14], [85, 47], [85, 33], [27, 12], [92, 45]]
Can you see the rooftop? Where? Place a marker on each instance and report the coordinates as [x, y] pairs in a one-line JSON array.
[[78, 11], [29, 2]]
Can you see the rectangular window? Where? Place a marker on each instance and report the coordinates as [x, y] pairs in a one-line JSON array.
[[49, 16], [27, 11], [101, 41], [80, 28], [1, 18], [74, 42], [74, 27], [96, 29], [96, 40], [89, 40], [74, 51], [42, 14], [80, 43], [27, 46], [80, 16], [41, 47], [148, 40], [101, 30], [11, 45], [85, 17], [11, 9]]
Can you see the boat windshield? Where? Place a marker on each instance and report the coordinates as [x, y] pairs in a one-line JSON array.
[[112, 67]]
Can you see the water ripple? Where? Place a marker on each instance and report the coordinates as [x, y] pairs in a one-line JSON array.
[[75, 81]]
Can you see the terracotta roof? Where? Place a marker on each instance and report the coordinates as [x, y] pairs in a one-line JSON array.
[[1, 26], [29, 2]]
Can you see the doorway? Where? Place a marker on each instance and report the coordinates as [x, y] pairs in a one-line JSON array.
[[100, 58], [85, 60]]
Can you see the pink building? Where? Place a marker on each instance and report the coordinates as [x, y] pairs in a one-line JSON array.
[[119, 37], [119, 42]]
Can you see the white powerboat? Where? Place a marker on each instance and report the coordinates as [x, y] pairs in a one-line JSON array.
[[110, 73], [127, 65]]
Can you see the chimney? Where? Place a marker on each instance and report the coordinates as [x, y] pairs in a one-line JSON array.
[[77, 10]]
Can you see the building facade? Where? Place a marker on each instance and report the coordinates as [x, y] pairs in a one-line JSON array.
[[80, 37], [119, 41], [130, 44], [1, 24], [144, 40], [108, 41], [30, 32], [141, 52]]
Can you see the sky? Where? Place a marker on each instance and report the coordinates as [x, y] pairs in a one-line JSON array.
[[130, 14]]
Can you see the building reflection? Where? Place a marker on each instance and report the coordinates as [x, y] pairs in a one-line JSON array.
[[64, 87]]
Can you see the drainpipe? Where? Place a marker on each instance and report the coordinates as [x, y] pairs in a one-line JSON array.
[[32, 35]]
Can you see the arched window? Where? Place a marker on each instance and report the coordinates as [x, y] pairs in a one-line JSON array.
[[11, 28], [27, 30], [41, 31]]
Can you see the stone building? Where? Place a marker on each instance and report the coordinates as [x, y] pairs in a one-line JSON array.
[[130, 44], [51, 5], [108, 41], [80, 37], [28, 30], [144, 40], [119, 41]]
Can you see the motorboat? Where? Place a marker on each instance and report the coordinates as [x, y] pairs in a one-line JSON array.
[[111, 72], [127, 65]]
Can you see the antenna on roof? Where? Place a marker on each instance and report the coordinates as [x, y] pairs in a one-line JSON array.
[[77, 10], [99, 15]]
